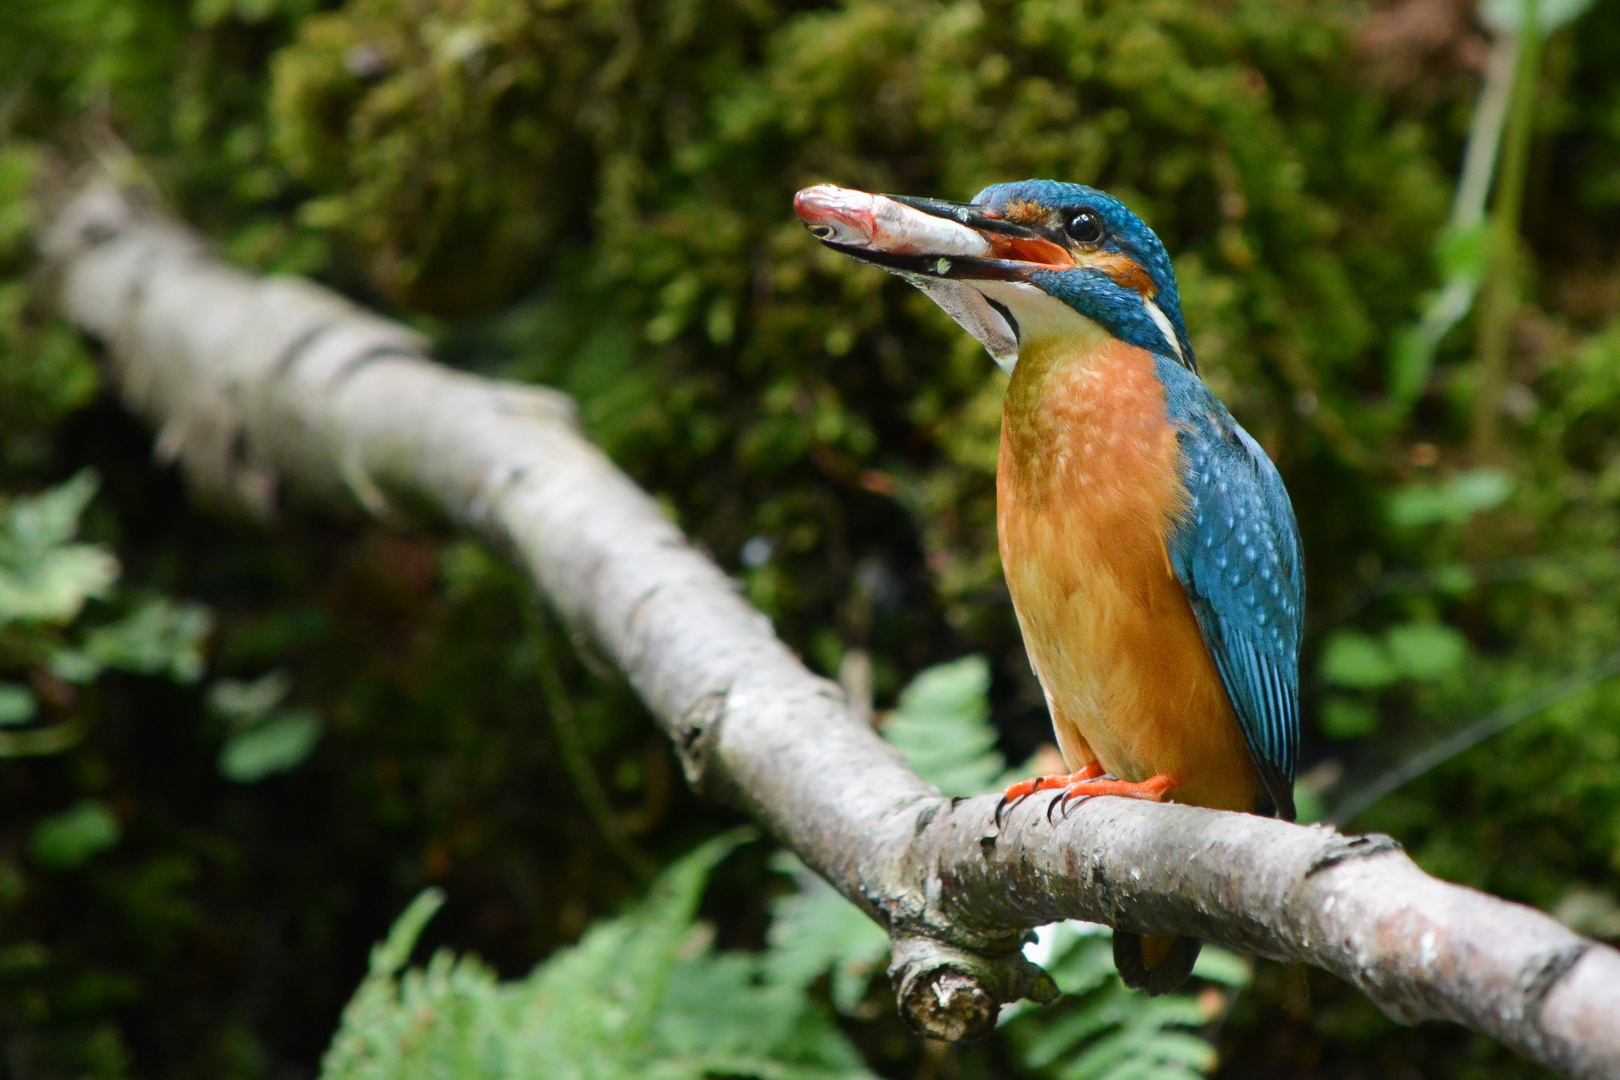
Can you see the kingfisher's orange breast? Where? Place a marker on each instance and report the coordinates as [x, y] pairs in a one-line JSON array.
[[1088, 487]]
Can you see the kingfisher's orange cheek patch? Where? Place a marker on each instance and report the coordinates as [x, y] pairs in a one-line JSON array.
[[1124, 271]]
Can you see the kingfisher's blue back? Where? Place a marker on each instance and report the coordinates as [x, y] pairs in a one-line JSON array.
[[1237, 554]]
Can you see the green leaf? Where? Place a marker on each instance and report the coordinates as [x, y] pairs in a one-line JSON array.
[[72, 838], [815, 930], [1347, 718], [51, 518], [245, 701], [942, 726], [74, 666], [17, 704], [52, 586], [632, 959], [43, 576], [277, 745], [1355, 660], [1453, 502], [1102, 1030], [1454, 579], [640, 996], [1223, 966], [394, 952], [1075, 963], [1426, 651], [161, 637], [1308, 805]]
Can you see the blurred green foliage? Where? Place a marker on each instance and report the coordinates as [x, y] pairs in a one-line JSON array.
[[68, 840], [67, 629], [595, 194], [49, 628], [265, 738], [644, 994]]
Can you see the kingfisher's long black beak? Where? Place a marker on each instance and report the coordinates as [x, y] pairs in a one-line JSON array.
[[943, 248]]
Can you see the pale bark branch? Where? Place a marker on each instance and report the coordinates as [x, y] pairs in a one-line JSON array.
[[262, 387]]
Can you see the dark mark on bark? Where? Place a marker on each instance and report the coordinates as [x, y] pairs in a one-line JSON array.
[[351, 367], [238, 450], [290, 352], [135, 295], [96, 233], [511, 479], [634, 614], [1539, 981], [1344, 848]]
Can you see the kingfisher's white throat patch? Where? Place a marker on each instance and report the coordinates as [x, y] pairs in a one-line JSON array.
[[1005, 316], [1162, 321], [1037, 317]]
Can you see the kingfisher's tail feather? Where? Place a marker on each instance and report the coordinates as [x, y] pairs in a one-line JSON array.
[[1156, 965]]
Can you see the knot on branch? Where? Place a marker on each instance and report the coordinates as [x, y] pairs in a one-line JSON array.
[[696, 731], [955, 995]]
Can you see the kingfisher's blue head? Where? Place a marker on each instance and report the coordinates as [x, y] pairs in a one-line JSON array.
[[1021, 262]]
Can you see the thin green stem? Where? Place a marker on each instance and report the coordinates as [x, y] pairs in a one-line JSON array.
[[1412, 361], [565, 726], [1468, 737], [1499, 301], [38, 742]]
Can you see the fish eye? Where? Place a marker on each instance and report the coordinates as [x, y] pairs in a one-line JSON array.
[[1085, 227]]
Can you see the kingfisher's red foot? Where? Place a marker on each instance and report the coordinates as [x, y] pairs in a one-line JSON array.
[[1154, 789], [1091, 773]]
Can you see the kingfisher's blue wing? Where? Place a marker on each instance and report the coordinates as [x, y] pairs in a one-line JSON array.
[[1237, 554]]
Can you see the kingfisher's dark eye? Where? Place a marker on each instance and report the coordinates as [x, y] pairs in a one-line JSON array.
[[1085, 227]]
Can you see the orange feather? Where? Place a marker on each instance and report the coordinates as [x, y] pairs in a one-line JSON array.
[[1088, 487]]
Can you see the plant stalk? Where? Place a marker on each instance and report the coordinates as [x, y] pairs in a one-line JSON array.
[[1500, 298], [576, 761]]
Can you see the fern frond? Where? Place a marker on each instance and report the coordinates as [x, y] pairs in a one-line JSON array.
[[624, 1003]]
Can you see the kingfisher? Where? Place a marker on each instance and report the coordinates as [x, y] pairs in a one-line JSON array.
[[1147, 540]]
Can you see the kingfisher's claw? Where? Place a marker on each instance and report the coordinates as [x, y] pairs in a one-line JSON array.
[[1023, 789], [1006, 804], [1062, 799], [1083, 785]]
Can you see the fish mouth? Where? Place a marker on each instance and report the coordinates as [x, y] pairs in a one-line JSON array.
[[931, 237], [942, 248]]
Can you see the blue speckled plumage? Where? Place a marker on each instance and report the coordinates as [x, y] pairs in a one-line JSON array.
[[1237, 553]]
